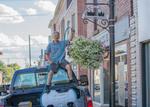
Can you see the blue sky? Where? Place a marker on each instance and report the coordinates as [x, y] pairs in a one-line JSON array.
[[20, 18]]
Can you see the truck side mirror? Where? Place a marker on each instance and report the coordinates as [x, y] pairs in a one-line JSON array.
[[84, 80]]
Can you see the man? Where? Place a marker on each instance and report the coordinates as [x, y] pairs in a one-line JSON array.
[[56, 57]]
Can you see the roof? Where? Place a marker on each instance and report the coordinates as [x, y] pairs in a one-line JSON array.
[[32, 69], [56, 12]]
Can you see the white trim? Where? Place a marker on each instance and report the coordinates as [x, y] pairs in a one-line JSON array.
[[99, 104]]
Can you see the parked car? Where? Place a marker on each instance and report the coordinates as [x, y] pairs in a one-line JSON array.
[[27, 86], [4, 89]]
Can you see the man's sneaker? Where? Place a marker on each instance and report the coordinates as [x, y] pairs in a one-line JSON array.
[[47, 88]]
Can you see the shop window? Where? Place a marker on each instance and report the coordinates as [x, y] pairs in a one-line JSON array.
[[96, 87], [121, 76]]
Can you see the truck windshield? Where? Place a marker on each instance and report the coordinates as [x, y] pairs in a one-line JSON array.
[[31, 79]]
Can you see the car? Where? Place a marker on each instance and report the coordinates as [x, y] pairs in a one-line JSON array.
[[28, 84], [4, 89]]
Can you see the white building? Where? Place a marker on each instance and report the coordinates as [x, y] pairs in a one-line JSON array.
[[140, 53]]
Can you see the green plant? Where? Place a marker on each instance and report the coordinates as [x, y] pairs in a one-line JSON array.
[[86, 52]]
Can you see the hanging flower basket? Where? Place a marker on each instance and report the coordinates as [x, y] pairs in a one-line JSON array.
[[86, 52]]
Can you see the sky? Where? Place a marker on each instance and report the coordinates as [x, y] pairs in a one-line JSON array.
[[18, 20]]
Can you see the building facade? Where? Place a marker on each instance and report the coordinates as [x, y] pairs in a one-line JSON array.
[[99, 79]]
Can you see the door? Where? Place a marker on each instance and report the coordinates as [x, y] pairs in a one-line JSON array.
[[146, 75]]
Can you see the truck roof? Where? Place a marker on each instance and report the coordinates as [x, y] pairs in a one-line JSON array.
[[32, 69]]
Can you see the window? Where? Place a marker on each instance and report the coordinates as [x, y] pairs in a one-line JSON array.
[[68, 3], [30, 80], [41, 78], [121, 74], [67, 34], [97, 85], [62, 27], [73, 21], [61, 76], [25, 81], [54, 27]]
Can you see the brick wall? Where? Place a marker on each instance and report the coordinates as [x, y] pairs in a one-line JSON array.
[[122, 8], [82, 28]]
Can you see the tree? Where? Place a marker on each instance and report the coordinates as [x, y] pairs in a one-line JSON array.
[[8, 71], [87, 53]]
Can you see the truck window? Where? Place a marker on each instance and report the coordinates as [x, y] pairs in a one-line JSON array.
[[26, 80], [60, 76], [41, 78]]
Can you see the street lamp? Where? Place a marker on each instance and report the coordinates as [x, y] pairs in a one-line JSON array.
[[107, 24]]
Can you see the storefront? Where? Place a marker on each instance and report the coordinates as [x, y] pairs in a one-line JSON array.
[[99, 82], [100, 78]]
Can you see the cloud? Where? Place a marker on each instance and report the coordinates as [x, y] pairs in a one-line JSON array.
[[46, 5], [5, 40], [9, 15], [18, 41], [31, 11], [16, 47], [40, 39]]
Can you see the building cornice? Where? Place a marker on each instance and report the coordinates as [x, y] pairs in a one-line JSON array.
[[56, 13]]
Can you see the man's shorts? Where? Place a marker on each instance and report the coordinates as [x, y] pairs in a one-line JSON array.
[[55, 66]]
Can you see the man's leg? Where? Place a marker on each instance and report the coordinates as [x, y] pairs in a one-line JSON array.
[[49, 79], [69, 70], [50, 76]]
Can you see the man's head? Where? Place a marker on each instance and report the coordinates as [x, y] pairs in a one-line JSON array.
[[56, 36]]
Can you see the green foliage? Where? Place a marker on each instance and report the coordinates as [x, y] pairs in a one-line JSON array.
[[87, 53], [8, 71]]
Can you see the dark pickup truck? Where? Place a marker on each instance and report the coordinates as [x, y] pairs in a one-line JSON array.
[[28, 85]]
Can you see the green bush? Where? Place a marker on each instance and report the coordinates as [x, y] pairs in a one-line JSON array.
[[86, 52]]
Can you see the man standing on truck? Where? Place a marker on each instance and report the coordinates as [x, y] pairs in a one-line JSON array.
[[56, 57]]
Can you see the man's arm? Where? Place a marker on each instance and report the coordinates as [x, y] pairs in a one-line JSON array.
[[48, 58]]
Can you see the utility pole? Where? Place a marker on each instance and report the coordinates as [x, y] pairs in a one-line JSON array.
[[29, 51], [112, 52]]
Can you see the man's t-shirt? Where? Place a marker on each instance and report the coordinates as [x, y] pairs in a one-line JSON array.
[[57, 50]]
